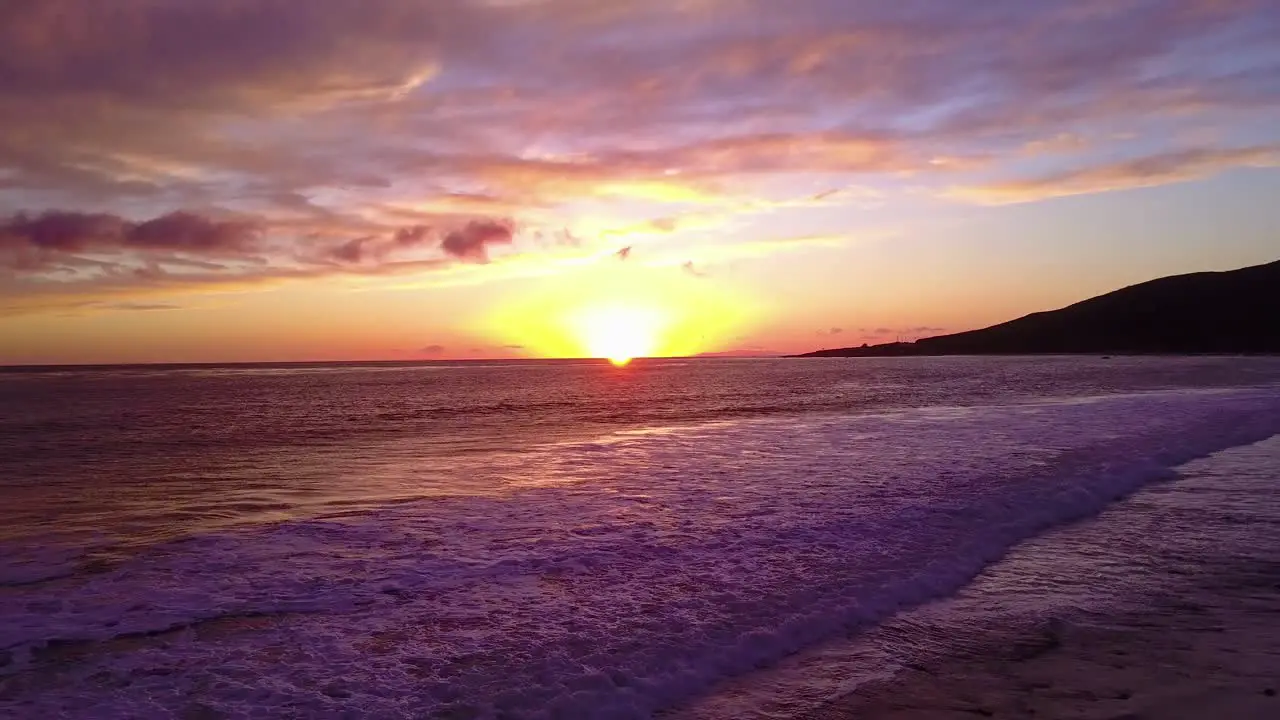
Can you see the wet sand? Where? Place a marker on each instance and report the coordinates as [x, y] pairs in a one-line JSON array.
[[1166, 606], [1214, 656], [1200, 639]]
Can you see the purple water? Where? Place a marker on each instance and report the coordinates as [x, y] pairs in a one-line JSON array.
[[544, 539]]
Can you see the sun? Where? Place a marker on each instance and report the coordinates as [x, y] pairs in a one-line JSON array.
[[615, 312], [619, 333]]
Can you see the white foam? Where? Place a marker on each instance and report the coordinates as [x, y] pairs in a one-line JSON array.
[[614, 578]]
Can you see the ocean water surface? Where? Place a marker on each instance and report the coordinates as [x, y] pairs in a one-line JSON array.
[[540, 539]]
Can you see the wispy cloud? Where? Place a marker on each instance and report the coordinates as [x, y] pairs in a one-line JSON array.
[[141, 307], [689, 267], [1141, 172]]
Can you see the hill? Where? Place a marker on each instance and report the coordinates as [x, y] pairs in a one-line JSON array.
[[1236, 311]]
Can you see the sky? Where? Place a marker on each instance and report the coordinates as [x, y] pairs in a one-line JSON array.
[[273, 180]]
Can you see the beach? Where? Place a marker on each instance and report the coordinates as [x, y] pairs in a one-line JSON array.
[[1166, 607]]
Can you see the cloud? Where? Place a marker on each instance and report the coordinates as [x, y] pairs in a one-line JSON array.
[[471, 243], [387, 136], [656, 229], [886, 334], [692, 269], [141, 307], [235, 52], [62, 231], [68, 258], [771, 246], [28, 241], [184, 231], [38, 242], [1148, 171], [1062, 142], [742, 352], [351, 251], [831, 331], [134, 98], [377, 248], [432, 350]]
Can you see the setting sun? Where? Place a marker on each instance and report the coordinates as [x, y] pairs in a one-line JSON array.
[[619, 333], [619, 311]]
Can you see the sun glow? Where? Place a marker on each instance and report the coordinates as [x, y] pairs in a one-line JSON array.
[[619, 333], [617, 312]]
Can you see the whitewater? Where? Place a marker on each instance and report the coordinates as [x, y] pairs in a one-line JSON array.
[[602, 574]]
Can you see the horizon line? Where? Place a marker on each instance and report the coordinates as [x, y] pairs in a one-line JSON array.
[[406, 361]]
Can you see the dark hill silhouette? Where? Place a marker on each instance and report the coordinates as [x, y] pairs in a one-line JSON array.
[[1237, 311]]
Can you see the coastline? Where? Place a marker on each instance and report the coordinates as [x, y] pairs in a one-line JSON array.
[[1167, 605]]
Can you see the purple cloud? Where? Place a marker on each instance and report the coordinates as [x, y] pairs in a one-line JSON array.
[[414, 235], [85, 250], [184, 231], [351, 251], [471, 243], [180, 231], [61, 231]]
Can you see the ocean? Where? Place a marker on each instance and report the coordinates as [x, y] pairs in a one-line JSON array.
[[548, 539]]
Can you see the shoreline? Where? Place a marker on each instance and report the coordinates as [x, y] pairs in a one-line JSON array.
[[1215, 656], [1205, 644], [1166, 605]]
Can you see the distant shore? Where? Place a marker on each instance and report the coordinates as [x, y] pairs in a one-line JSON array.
[[878, 351], [1199, 313]]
